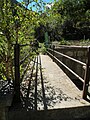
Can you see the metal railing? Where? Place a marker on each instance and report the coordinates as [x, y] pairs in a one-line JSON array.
[[19, 76], [85, 66]]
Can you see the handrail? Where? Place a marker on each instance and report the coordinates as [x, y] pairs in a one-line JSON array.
[[86, 67], [67, 67], [24, 58], [73, 59], [73, 46]]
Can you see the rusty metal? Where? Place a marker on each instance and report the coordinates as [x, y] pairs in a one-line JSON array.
[[87, 76]]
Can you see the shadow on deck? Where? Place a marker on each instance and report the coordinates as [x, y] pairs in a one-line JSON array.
[[40, 100]]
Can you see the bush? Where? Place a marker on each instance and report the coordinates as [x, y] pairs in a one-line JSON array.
[[42, 49], [64, 42]]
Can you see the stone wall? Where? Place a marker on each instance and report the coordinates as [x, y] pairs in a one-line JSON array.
[[3, 113], [75, 113], [5, 103]]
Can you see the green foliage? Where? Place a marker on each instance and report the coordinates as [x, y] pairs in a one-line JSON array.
[[17, 24], [69, 19], [82, 42], [64, 42], [42, 49]]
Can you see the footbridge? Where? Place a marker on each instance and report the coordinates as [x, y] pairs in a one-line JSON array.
[[55, 87]]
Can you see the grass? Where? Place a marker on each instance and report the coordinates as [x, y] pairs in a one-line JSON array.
[[75, 42]]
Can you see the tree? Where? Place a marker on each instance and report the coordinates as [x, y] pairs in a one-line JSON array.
[[70, 18], [16, 25]]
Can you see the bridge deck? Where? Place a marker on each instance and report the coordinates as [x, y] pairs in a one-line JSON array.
[[60, 91], [49, 93]]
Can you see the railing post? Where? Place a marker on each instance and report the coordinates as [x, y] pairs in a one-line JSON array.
[[17, 73], [53, 52], [87, 76]]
